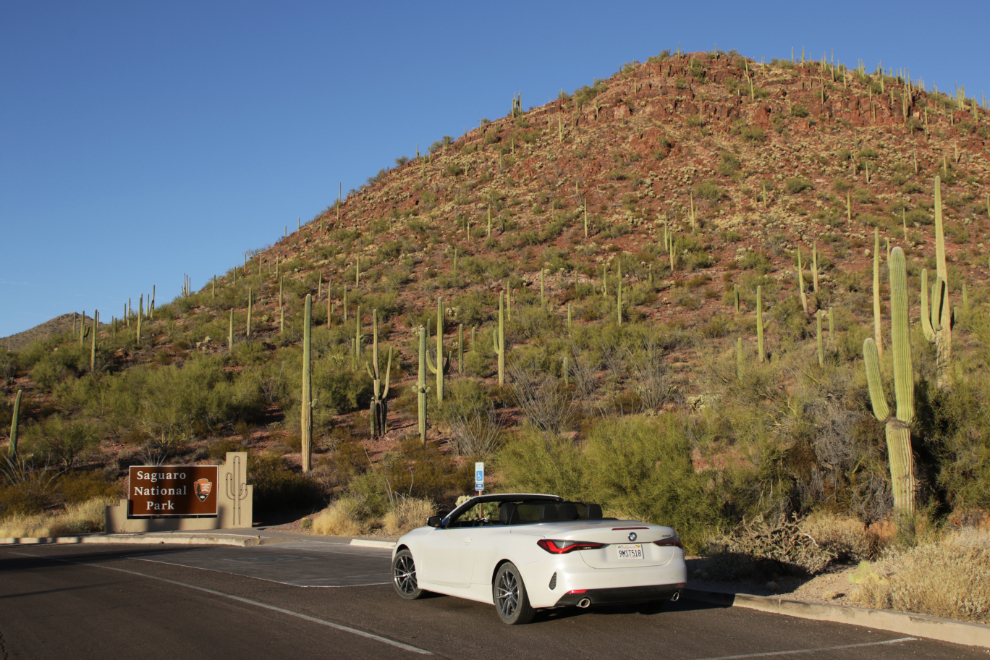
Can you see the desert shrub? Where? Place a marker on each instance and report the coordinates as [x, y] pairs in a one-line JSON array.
[[766, 547], [634, 467], [469, 413], [949, 578], [218, 448], [345, 516], [407, 515], [76, 487], [708, 190], [796, 184], [849, 539], [277, 486], [542, 397], [59, 440], [728, 164]]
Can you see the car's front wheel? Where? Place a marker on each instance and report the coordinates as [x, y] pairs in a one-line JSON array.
[[404, 575], [509, 594]]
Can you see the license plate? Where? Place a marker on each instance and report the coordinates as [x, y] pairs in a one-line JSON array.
[[630, 551]]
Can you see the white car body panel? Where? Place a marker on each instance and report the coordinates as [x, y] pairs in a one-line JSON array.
[[462, 562]]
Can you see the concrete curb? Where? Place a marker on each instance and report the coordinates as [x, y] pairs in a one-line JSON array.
[[917, 625], [362, 543], [174, 539]]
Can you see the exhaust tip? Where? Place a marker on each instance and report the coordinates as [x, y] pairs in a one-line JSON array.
[[676, 597], [584, 602]]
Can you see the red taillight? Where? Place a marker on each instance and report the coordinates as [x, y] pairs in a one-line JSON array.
[[563, 547], [672, 541]]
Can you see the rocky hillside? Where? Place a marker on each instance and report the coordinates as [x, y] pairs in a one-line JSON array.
[[686, 182]]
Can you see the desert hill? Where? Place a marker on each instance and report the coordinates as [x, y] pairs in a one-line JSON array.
[[687, 182]]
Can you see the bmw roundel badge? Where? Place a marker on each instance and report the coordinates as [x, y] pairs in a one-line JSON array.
[[632, 536]]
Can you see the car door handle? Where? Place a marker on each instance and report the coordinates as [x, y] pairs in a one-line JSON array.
[[466, 541]]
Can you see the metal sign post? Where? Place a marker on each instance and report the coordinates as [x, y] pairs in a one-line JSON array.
[[479, 483]]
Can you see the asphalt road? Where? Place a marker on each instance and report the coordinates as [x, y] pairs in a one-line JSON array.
[[304, 600]]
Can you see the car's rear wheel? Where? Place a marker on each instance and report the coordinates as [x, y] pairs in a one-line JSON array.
[[509, 594], [404, 575]]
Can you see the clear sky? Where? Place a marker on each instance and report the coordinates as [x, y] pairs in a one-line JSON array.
[[142, 140]]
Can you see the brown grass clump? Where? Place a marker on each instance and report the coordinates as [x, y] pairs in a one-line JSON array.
[[409, 514], [342, 518], [82, 518], [949, 578], [847, 537]]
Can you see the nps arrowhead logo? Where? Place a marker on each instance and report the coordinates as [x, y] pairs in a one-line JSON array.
[[203, 487]]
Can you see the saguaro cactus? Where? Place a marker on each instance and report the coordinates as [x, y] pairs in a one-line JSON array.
[[460, 349], [307, 387], [421, 389], [877, 333], [92, 349], [379, 401], [248, 331], [618, 295], [898, 429], [759, 324], [498, 339], [12, 447], [800, 274], [230, 331], [442, 364], [943, 334]]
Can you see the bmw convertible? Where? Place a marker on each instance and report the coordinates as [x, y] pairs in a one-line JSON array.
[[526, 552]]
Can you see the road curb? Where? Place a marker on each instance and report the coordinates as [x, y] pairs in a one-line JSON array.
[[363, 543], [917, 625], [173, 539]]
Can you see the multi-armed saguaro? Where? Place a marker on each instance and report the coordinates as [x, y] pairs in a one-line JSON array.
[[379, 401], [936, 320], [898, 427]]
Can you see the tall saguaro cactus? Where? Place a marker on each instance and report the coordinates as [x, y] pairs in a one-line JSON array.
[[498, 339], [943, 334], [898, 426], [92, 349], [307, 386], [442, 364], [759, 324], [379, 401], [618, 294], [877, 333], [248, 331], [421, 389], [12, 448]]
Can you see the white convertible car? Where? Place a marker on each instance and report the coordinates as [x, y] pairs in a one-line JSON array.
[[524, 552]]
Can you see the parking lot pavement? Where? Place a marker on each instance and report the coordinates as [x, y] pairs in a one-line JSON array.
[[193, 602], [300, 563]]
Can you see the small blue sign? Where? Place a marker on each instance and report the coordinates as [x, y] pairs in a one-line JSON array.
[[479, 486], [479, 476]]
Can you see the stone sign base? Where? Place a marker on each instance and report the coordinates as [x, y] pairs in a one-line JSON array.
[[234, 510]]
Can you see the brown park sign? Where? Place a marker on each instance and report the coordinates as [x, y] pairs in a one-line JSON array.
[[173, 490]]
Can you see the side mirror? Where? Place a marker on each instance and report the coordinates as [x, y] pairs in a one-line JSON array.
[[433, 521]]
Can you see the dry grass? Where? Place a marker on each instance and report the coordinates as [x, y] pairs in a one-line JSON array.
[[407, 516], [347, 516], [949, 578], [342, 518], [83, 518], [847, 537]]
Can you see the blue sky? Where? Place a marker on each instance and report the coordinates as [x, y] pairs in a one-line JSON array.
[[140, 141]]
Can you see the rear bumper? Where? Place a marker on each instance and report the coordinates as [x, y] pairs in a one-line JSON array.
[[622, 595]]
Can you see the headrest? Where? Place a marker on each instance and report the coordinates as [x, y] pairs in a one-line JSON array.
[[592, 512], [548, 512], [508, 513], [567, 511]]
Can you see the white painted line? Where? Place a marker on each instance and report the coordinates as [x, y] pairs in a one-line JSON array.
[[305, 617], [770, 654], [362, 543]]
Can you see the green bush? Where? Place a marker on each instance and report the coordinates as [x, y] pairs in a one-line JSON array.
[[277, 487], [634, 466]]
